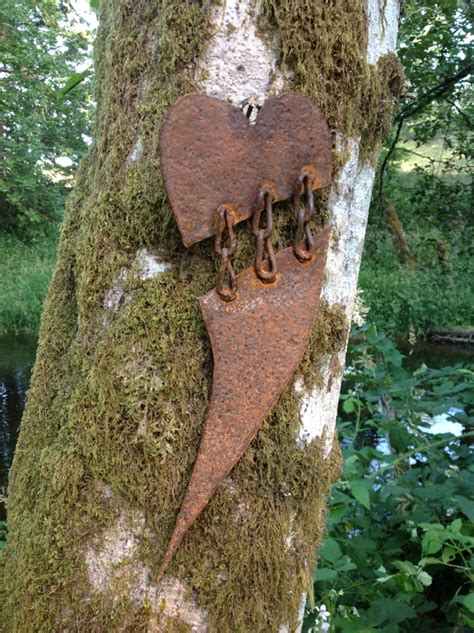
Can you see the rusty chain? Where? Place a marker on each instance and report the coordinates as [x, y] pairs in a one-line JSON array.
[[304, 243], [227, 290], [264, 237], [304, 239]]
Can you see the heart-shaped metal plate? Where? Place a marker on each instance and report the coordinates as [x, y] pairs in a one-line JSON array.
[[212, 155]]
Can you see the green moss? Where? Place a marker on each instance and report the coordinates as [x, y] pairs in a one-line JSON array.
[[119, 396], [325, 43]]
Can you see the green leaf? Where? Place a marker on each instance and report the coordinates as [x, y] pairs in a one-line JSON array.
[[94, 4], [324, 573], [449, 553], [399, 438], [361, 491], [345, 564], [348, 405], [393, 611], [468, 601], [455, 526], [425, 579], [465, 619], [73, 81], [350, 464], [434, 537], [330, 550], [336, 513], [406, 567], [466, 505], [431, 545], [429, 561]]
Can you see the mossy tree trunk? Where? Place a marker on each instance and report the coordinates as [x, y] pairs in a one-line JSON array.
[[121, 382]]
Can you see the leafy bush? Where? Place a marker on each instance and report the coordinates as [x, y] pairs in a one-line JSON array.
[[404, 301], [424, 190], [399, 550]]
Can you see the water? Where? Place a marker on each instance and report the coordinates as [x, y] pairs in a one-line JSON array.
[[17, 354], [434, 355]]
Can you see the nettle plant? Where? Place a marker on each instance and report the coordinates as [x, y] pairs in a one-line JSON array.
[[399, 547]]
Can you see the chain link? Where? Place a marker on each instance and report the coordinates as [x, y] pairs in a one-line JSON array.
[[264, 237], [248, 105], [227, 290], [304, 243], [304, 239]]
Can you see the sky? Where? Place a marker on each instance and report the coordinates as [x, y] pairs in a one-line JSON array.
[[82, 8]]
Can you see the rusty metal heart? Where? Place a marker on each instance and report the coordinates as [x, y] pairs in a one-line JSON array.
[[211, 155], [257, 341]]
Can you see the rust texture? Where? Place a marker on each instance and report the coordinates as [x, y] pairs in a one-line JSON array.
[[258, 341], [211, 155]]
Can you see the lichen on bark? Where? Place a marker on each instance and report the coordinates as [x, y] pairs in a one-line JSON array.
[[118, 396]]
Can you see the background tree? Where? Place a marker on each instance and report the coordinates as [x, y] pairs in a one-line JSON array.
[[121, 381], [422, 210], [42, 43]]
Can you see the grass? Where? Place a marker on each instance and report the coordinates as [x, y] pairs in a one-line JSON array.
[[25, 273]]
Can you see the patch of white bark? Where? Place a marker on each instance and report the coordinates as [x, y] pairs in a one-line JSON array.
[[114, 568], [146, 265], [349, 203], [238, 64]]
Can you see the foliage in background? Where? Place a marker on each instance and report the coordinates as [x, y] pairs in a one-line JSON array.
[[439, 292], [41, 43], [399, 551], [435, 48], [25, 273], [422, 207]]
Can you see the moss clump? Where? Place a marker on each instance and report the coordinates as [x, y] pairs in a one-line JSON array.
[[325, 43], [328, 336], [119, 395], [386, 84]]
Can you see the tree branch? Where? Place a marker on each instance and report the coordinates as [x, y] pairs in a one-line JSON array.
[[387, 157], [465, 116], [434, 93], [413, 108]]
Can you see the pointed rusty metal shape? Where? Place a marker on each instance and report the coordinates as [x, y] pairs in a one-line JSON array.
[[257, 341], [210, 155]]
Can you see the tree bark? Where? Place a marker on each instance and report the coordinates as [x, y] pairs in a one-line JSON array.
[[122, 377]]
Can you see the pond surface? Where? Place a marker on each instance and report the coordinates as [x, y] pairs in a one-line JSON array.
[[434, 355], [17, 354]]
